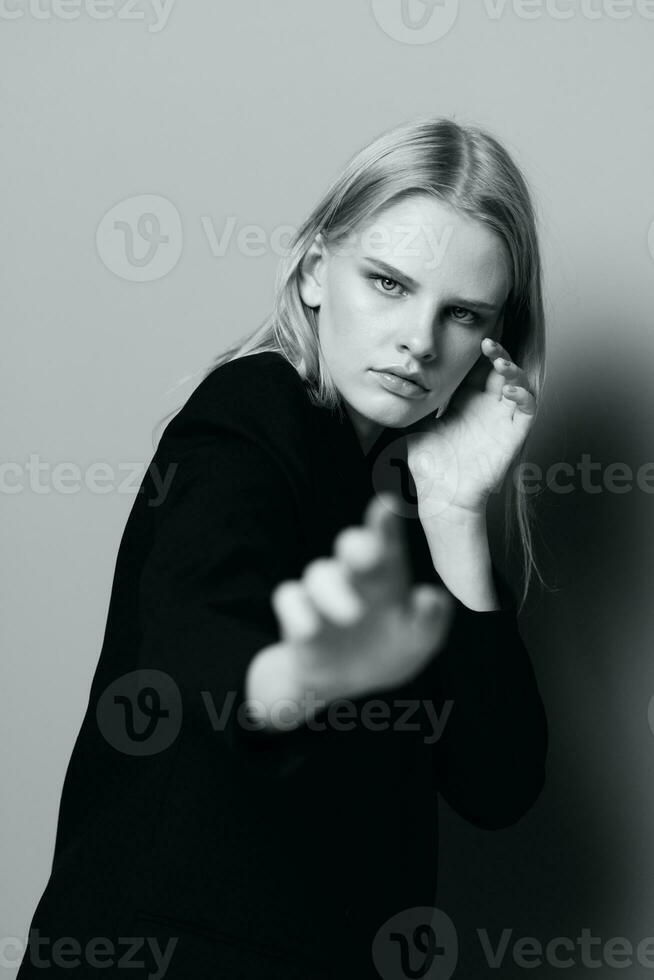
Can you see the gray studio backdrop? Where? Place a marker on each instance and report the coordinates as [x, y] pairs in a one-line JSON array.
[[219, 118]]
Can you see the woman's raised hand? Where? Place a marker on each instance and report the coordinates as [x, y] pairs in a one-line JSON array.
[[354, 623], [460, 459]]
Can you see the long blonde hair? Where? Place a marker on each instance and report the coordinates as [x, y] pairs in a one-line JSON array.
[[465, 168]]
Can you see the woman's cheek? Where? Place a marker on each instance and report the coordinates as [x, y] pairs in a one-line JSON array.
[[348, 306], [361, 318]]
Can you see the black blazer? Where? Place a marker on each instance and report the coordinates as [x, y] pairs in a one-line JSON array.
[[267, 854]]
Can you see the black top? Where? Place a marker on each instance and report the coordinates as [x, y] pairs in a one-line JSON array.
[[278, 853]]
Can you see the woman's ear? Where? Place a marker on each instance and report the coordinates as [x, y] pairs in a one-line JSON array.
[[312, 269]]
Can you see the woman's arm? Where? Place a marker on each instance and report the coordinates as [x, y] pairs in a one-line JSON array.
[[490, 760], [461, 556], [225, 534]]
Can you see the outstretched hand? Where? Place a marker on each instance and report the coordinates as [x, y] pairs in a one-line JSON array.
[[354, 621]]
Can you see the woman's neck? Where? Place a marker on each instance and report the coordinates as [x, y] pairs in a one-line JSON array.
[[367, 431]]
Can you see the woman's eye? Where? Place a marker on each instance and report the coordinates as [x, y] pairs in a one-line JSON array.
[[464, 316], [387, 285]]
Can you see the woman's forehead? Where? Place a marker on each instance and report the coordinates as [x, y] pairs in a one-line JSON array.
[[422, 236]]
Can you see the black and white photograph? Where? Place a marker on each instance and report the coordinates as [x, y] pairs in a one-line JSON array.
[[327, 489]]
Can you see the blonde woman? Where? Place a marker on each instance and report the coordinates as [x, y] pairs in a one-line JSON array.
[[308, 639]]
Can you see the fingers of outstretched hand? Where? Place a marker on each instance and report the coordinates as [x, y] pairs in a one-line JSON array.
[[375, 554], [298, 618], [329, 587], [369, 567], [381, 516]]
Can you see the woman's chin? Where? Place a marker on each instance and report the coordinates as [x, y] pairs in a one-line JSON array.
[[402, 417]]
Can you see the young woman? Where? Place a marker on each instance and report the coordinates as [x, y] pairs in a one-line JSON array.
[[307, 637]]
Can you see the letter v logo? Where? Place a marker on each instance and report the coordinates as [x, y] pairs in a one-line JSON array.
[[416, 21]]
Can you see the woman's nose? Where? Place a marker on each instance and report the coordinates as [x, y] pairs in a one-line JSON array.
[[421, 344]]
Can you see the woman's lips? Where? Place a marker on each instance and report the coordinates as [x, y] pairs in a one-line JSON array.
[[399, 386]]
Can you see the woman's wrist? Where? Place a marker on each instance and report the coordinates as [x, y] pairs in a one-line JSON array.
[[458, 544]]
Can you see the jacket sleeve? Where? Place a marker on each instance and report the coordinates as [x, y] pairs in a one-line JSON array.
[[490, 760], [224, 535]]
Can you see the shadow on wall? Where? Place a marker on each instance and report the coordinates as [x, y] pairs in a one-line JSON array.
[[569, 864]]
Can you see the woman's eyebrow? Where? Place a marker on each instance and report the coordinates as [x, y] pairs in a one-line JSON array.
[[394, 273], [478, 304]]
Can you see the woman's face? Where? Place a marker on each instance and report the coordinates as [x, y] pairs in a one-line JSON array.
[[415, 289]]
